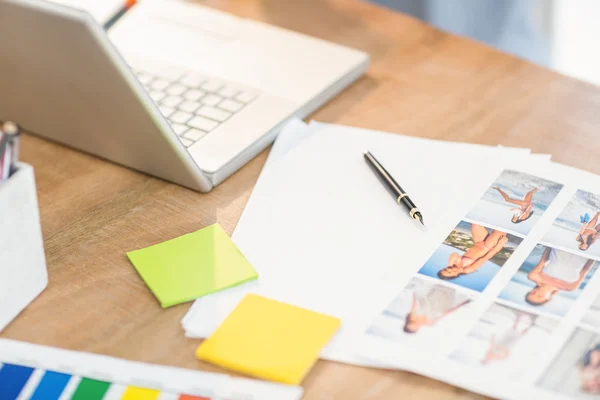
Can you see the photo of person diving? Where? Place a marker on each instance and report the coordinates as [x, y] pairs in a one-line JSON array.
[[575, 372], [589, 232], [471, 255], [515, 201], [505, 340], [577, 227], [549, 280], [422, 309]]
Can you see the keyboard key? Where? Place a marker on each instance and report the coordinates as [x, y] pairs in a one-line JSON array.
[[171, 101], [176, 89], [211, 100], [202, 123], [246, 96], [186, 142], [231, 105], [180, 117], [157, 96], [194, 94], [179, 129], [144, 79], [189, 106], [193, 81], [194, 134], [166, 111], [228, 91], [213, 113], [212, 85], [160, 84]]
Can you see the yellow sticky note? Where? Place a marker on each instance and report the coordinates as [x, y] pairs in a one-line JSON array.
[[191, 266], [268, 339]]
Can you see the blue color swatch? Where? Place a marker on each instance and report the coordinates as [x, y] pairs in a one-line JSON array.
[[51, 386], [12, 380]]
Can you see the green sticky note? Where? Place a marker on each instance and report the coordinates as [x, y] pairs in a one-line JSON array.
[[192, 266]]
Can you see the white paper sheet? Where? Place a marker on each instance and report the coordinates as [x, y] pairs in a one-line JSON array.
[[324, 234], [120, 374]]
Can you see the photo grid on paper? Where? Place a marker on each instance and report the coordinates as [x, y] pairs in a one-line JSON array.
[[507, 338], [433, 307], [575, 371], [510, 338]]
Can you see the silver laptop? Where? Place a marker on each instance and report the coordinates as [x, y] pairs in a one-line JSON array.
[[178, 91]]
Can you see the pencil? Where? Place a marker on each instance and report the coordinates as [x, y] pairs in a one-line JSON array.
[[128, 5]]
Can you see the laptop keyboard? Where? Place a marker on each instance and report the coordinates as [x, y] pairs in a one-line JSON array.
[[195, 105]]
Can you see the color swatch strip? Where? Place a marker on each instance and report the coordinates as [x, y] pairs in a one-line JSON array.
[[51, 386], [15, 378]]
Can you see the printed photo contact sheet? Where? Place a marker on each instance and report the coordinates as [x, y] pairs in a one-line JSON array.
[[509, 300]]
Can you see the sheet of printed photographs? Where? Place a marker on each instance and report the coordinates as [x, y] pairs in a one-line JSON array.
[[509, 336]]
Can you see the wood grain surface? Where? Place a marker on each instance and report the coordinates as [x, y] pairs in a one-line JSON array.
[[422, 82]]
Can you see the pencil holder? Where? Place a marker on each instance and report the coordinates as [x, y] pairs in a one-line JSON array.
[[23, 271]]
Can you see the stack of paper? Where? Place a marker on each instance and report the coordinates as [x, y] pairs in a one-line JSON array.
[[323, 233], [498, 295]]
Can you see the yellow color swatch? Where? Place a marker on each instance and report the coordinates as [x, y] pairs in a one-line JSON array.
[[269, 339], [135, 393]]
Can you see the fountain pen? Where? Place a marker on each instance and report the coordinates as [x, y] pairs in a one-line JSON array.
[[394, 188]]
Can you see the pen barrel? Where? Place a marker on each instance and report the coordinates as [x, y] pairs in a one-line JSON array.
[[384, 177], [408, 203]]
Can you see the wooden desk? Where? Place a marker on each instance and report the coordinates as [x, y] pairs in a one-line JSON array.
[[422, 82]]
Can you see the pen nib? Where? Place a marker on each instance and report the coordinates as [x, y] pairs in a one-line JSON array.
[[419, 217]]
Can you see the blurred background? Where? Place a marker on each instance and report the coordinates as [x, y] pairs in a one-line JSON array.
[[557, 34]]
